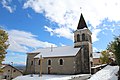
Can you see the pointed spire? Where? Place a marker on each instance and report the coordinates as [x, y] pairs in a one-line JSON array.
[[82, 23]]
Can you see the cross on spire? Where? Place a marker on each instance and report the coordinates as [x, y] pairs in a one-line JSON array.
[[81, 9]]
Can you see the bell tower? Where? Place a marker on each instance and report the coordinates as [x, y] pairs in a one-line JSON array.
[[82, 35], [82, 40]]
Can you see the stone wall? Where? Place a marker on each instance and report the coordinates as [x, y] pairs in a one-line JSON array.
[[83, 64], [9, 73], [68, 66], [30, 68]]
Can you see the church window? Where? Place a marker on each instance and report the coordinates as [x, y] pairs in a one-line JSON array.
[[83, 37], [61, 61], [5, 77], [31, 62], [8, 70], [39, 62], [14, 71], [78, 37], [49, 62]]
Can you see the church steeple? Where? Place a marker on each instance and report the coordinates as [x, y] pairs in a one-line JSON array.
[[82, 40], [82, 23], [82, 35]]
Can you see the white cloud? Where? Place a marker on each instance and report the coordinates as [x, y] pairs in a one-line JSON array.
[[16, 58], [66, 13], [95, 33], [29, 16], [6, 4], [62, 44], [61, 32], [21, 41], [95, 49]]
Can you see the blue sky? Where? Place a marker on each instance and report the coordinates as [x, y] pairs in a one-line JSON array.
[[33, 24]]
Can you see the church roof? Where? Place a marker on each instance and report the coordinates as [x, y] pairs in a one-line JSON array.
[[82, 23], [56, 51]]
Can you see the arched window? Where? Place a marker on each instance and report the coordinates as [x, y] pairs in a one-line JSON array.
[[39, 62], [14, 71], [31, 62], [83, 37], [78, 38], [61, 61], [8, 70], [49, 62]]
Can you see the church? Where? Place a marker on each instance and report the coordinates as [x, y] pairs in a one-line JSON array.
[[76, 59]]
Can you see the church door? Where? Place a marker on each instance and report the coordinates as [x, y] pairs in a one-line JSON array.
[[49, 70]]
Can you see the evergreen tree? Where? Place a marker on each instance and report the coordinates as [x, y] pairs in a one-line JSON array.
[[105, 57], [114, 46], [3, 45]]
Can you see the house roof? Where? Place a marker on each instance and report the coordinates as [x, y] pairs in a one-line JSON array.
[[82, 23], [56, 51], [96, 54], [5, 65]]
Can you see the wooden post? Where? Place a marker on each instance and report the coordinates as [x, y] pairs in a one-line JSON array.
[[11, 71], [40, 65]]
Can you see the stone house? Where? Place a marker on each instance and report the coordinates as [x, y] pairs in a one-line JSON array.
[[10, 72], [75, 59], [96, 58], [97, 55], [96, 61]]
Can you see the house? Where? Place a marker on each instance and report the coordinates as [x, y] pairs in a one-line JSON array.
[[96, 58], [97, 55], [96, 61], [10, 72], [75, 59]]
